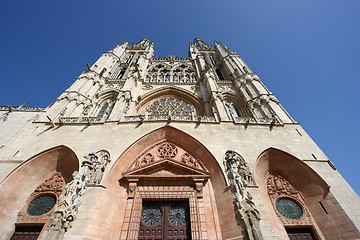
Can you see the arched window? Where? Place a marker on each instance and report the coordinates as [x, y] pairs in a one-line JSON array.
[[219, 74], [106, 109], [232, 110], [121, 74]]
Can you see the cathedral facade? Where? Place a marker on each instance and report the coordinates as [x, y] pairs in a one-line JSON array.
[[145, 147]]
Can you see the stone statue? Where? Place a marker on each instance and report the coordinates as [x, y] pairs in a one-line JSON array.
[[100, 160], [239, 177], [67, 208]]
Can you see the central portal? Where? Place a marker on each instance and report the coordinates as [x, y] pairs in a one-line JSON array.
[[165, 221]]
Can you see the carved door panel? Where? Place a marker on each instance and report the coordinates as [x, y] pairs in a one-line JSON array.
[[300, 234], [26, 233], [165, 221]]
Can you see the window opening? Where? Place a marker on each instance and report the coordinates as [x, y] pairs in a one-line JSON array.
[[121, 74], [102, 110], [219, 74], [323, 208], [298, 131], [112, 104]]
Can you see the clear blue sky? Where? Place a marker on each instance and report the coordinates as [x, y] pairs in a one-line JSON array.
[[306, 52]]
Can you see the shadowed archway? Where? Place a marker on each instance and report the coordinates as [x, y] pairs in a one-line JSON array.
[[22, 181]]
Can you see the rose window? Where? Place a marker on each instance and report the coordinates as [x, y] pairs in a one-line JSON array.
[[41, 205], [289, 208], [170, 105]]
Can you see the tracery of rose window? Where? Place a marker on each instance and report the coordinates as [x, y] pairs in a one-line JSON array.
[[173, 106]]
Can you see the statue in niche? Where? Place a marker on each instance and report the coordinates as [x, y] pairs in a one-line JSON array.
[[100, 160], [246, 212]]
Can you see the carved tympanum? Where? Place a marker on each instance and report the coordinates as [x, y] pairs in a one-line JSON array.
[[287, 201], [278, 185], [52, 187]]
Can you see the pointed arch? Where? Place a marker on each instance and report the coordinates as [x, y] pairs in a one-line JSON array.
[[119, 182], [281, 176], [176, 136], [293, 169], [16, 187], [172, 91], [236, 105]]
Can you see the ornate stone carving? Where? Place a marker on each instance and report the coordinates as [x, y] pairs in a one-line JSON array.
[[167, 150], [245, 209], [54, 184], [100, 162], [279, 188], [147, 158], [278, 185], [170, 106], [67, 208]]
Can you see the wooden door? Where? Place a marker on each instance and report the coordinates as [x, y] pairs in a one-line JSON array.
[[26, 233], [300, 234], [165, 221]]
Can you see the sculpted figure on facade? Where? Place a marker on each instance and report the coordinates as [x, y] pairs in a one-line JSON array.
[[68, 205], [239, 176], [100, 161]]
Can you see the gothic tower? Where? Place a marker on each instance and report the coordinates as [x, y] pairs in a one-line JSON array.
[[145, 147]]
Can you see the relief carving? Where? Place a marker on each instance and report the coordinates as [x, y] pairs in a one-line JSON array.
[[278, 185], [188, 160], [279, 188], [167, 150], [55, 184]]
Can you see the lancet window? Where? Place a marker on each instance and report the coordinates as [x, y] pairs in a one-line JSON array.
[[237, 107], [121, 74], [172, 106], [232, 110], [220, 75], [106, 109]]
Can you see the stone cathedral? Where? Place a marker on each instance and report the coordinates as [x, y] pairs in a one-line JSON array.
[[145, 147]]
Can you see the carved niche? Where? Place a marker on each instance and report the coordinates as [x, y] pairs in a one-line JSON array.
[[53, 187], [287, 201], [100, 160]]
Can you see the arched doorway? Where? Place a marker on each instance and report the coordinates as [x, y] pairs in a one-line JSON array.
[[166, 169], [298, 201], [39, 179]]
